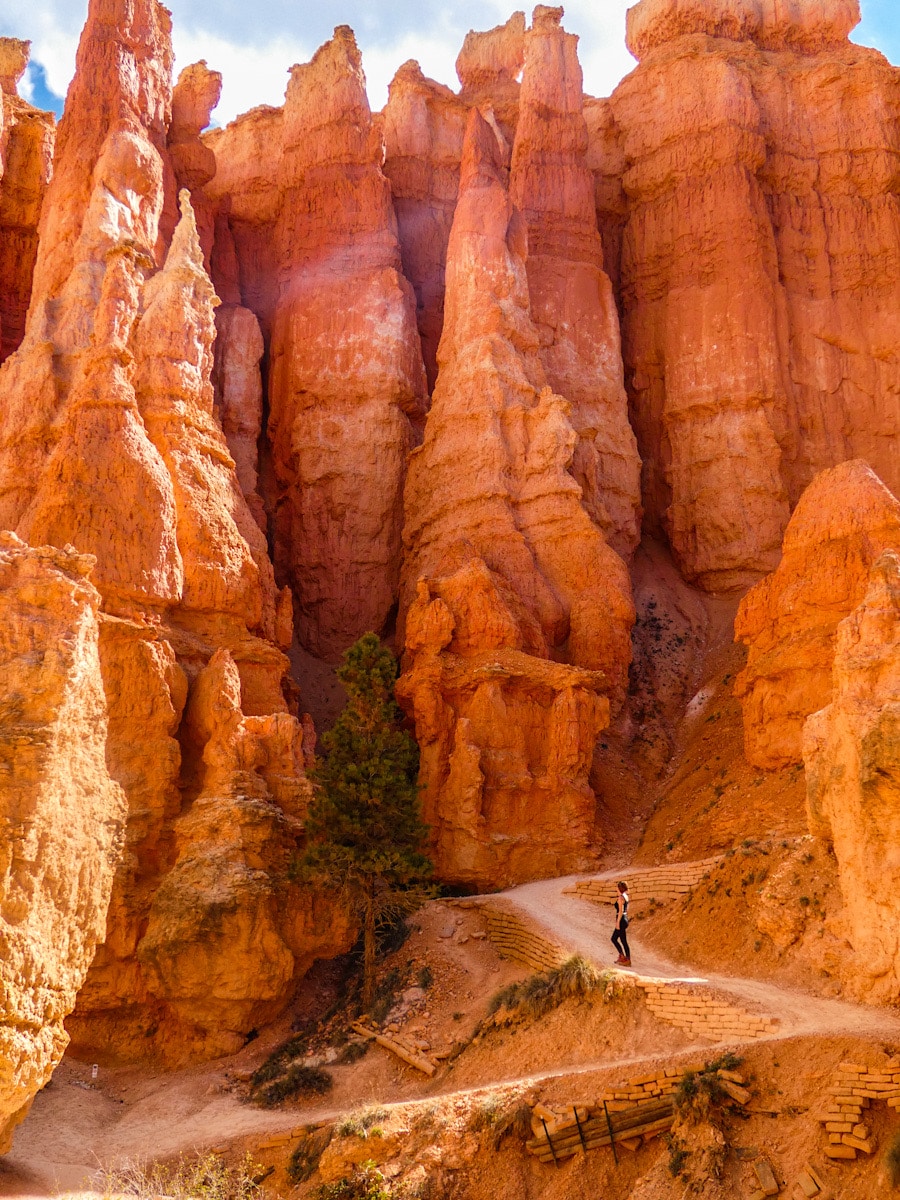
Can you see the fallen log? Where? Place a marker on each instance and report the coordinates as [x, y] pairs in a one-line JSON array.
[[419, 1061]]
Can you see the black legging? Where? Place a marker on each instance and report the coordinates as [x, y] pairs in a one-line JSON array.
[[620, 940]]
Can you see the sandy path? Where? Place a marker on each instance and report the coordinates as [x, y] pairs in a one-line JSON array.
[[585, 927]]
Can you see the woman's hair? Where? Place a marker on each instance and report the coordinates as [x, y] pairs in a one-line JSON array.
[[622, 885]]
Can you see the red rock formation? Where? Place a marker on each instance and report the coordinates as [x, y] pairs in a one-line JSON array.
[[572, 303], [26, 151], [424, 123], [247, 189], [131, 465], [503, 569], [488, 68], [346, 364], [773, 24], [850, 750], [759, 271], [58, 808], [789, 621], [194, 97]]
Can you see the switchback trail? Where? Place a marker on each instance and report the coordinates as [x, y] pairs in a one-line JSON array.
[[584, 927]]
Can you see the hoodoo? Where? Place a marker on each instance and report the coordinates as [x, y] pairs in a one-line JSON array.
[[572, 303], [347, 374], [758, 280], [502, 566]]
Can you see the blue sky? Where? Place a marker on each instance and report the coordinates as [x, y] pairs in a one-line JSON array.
[[255, 44]]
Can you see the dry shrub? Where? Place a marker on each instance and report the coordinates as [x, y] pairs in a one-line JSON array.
[[700, 1095], [205, 1177], [298, 1080]]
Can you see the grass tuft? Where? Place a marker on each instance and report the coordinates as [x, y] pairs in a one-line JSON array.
[[366, 1183], [575, 979], [362, 1124]]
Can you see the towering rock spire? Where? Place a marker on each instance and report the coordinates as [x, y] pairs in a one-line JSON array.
[[504, 570], [572, 302], [109, 442], [346, 374]]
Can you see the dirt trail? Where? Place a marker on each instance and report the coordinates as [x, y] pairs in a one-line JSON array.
[[75, 1126], [585, 927]]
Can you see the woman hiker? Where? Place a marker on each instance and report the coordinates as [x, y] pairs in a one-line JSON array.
[[620, 933]]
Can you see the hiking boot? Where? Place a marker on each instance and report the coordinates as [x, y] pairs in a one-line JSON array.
[[622, 960], [626, 962]]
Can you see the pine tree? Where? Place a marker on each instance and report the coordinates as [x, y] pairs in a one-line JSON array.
[[365, 830]]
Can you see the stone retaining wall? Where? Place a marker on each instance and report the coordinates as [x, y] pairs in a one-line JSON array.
[[646, 884], [515, 939], [694, 1008]]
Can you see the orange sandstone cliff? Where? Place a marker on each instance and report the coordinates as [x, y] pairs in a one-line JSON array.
[[845, 519], [110, 442], [348, 371], [759, 267], [850, 751], [58, 805]]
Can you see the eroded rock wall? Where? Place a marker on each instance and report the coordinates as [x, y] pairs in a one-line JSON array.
[[110, 442], [26, 151], [572, 303], [758, 273], [845, 519], [850, 749], [61, 815]]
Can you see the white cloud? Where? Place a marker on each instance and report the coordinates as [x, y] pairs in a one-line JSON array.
[[255, 68], [52, 27], [251, 75], [254, 61]]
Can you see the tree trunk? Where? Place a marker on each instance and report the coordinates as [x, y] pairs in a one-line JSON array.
[[369, 952]]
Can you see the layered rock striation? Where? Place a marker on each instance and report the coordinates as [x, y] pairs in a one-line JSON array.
[[504, 571], [346, 366], [58, 808], [845, 519], [572, 303], [850, 749], [758, 272]]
